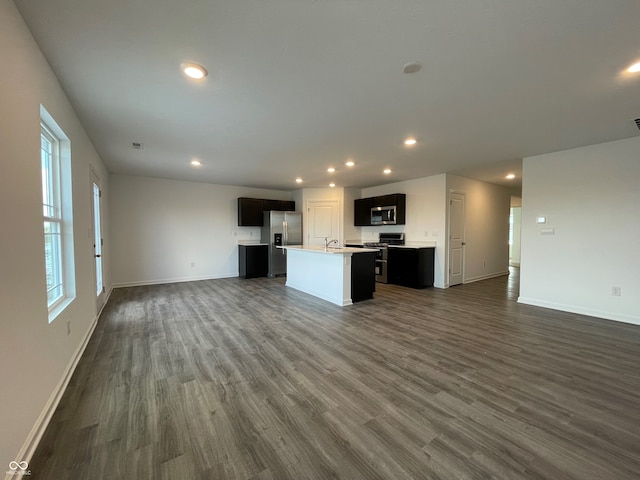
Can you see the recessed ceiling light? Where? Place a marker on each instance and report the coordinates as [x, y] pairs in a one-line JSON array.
[[331, 169], [635, 68], [298, 180], [196, 163], [193, 70], [332, 185], [410, 141], [386, 171], [350, 163], [510, 176]]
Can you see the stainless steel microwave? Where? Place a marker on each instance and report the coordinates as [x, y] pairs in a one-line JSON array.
[[383, 215]]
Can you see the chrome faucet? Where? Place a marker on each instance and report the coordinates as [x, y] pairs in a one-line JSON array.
[[328, 242]]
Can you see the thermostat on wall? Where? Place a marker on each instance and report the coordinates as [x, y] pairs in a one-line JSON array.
[[541, 219]]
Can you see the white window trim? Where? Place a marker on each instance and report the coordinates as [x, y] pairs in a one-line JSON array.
[[63, 214]]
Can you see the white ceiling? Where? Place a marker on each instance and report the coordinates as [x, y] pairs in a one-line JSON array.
[[296, 86]]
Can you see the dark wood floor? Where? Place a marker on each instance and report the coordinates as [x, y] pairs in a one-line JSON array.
[[248, 379]]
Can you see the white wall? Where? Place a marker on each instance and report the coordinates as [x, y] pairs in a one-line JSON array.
[[426, 216], [351, 232], [161, 227], [486, 227], [590, 197], [35, 356]]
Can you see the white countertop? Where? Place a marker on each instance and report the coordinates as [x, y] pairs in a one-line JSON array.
[[329, 250], [415, 245]]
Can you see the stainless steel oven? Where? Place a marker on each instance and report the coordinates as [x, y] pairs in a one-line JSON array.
[[381, 260], [386, 239]]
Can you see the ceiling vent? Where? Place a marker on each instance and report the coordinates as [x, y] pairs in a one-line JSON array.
[[137, 145], [637, 120]]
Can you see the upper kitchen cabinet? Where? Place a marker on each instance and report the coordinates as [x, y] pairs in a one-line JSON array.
[[250, 210], [362, 212], [362, 208]]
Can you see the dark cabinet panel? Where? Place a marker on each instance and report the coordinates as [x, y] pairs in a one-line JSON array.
[[250, 210], [363, 276], [252, 261], [384, 201], [362, 212], [411, 267], [400, 200], [271, 205]]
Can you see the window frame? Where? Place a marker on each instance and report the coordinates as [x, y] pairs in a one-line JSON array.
[[57, 214], [52, 215]]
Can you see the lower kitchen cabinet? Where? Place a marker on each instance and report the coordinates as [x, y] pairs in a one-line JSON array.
[[411, 267], [252, 261], [363, 276]]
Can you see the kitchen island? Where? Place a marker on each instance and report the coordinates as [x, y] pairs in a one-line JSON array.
[[339, 275]]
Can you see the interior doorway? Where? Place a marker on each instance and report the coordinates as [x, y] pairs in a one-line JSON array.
[[456, 238], [323, 220], [515, 227], [98, 242]]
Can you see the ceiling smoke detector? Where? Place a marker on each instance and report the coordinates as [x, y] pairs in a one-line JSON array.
[[411, 67], [137, 145]]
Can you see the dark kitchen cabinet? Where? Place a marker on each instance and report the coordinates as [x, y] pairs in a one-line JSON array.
[[252, 261], [362, 208], [287, 206], [411, 267], [383, 201], [362, 212], [363, 276], [270, 205], [250, 210]]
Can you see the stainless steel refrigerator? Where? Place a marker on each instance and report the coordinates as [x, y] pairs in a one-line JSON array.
[[280, 229]]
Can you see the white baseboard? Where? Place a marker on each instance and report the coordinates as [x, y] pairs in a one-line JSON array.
[[33, 439], [485, 277], [141, 283], [580, 310]]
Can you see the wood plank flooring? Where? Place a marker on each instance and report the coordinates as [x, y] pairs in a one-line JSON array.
[[248, 379]]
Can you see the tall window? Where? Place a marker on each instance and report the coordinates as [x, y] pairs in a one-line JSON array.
[[52, 212], [57, 212]]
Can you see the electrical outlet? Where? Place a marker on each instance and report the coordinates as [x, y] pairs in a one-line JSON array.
[[193, 264], [616, 291], [68, 327]]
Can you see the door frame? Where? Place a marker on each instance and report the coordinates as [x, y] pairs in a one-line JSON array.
[[100, 298], [448, 250], [305, 218]]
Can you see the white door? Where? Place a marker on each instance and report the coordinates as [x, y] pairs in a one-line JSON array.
[[96, 217], [323, 220], [456, 238]]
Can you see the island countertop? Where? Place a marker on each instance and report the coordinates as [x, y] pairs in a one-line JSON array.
[[328, 250], [335, 274]]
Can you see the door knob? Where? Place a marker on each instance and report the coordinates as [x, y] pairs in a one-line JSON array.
[[97, 256]]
